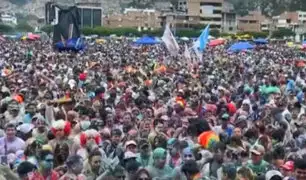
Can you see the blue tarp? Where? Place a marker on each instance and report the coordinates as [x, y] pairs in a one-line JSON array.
[[241, 46], [146, 40], [260, 41], [74, 44]]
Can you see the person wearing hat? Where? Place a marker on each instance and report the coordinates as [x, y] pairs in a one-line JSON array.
[[274, 175], [187, 155], [225, 126], [287, 169], [131, 146], [159, 169], [257, 164], [228, 172], [45, 171], [144, 157]]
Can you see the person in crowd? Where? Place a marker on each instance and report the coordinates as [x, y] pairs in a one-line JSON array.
[[257, 164], [187, 155], [93, 167], [144, 157], [174, 156], [159, 168], [191, 170], [142, 174], [245, 173], [74, 165], [10, 143]]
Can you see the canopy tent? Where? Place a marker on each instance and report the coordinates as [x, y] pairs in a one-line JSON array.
[[260, 41], [31, 37], [74, 44], [216, 42], [211, 37], [100, 41], [146, 41], [304, 44], [184, 38], [241, 46]]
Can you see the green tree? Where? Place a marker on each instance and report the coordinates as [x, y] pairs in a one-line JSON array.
[[214, 33], [24, 27], [282, 32], [6, 28], [47, 29]]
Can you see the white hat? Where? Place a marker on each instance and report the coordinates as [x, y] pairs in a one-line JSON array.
[[130, 143], [272, 173], [25, 128], [129, 155]]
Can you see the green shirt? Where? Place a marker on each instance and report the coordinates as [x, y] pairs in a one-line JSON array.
[[164, 173], [144, 161], [260, 168]]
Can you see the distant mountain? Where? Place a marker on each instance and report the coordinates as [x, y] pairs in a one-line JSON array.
[[268, 7]]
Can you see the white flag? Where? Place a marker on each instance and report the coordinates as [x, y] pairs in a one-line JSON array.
[[187, 53], [170, 41]]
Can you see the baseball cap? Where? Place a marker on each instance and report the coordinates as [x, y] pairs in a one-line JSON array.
[[25, 128], [143, 143], [272, 173], [289, 166], [258, 150], [128, 143], [129, 155]]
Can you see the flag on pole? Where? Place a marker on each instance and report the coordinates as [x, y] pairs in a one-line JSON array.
[[200, 44], [170, 41], [187, 53]]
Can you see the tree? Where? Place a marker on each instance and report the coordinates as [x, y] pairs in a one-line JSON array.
[[215, 33], [6, 28], [24, 27], [47, 29], [283, 32]]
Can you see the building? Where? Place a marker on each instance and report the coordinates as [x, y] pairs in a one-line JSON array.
[[180, 21], [229, 19], [286, 20], [91, 14], [296, 21], [182, 5], [9, 19], [209, 11], [198, 13], [142, 19], [253, 22]]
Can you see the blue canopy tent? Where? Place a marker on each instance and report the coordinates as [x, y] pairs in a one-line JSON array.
[[260, 41], [237, 47], [73, 44], [146, 41]]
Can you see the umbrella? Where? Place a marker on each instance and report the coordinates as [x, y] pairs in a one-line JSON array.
[[146, 41], [185, 38], [240, 46], [216, 42], [260, 41]]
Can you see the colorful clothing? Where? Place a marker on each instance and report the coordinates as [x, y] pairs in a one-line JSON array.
[[260, 168]]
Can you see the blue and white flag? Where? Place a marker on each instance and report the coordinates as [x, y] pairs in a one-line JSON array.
[[200, 44]]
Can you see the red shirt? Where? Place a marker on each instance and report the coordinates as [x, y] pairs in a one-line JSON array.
[[38, 176]]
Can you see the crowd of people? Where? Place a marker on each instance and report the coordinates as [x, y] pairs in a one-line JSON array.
[[116, 111]]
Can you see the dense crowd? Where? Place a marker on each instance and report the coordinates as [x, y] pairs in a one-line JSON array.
[[116, 111]]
